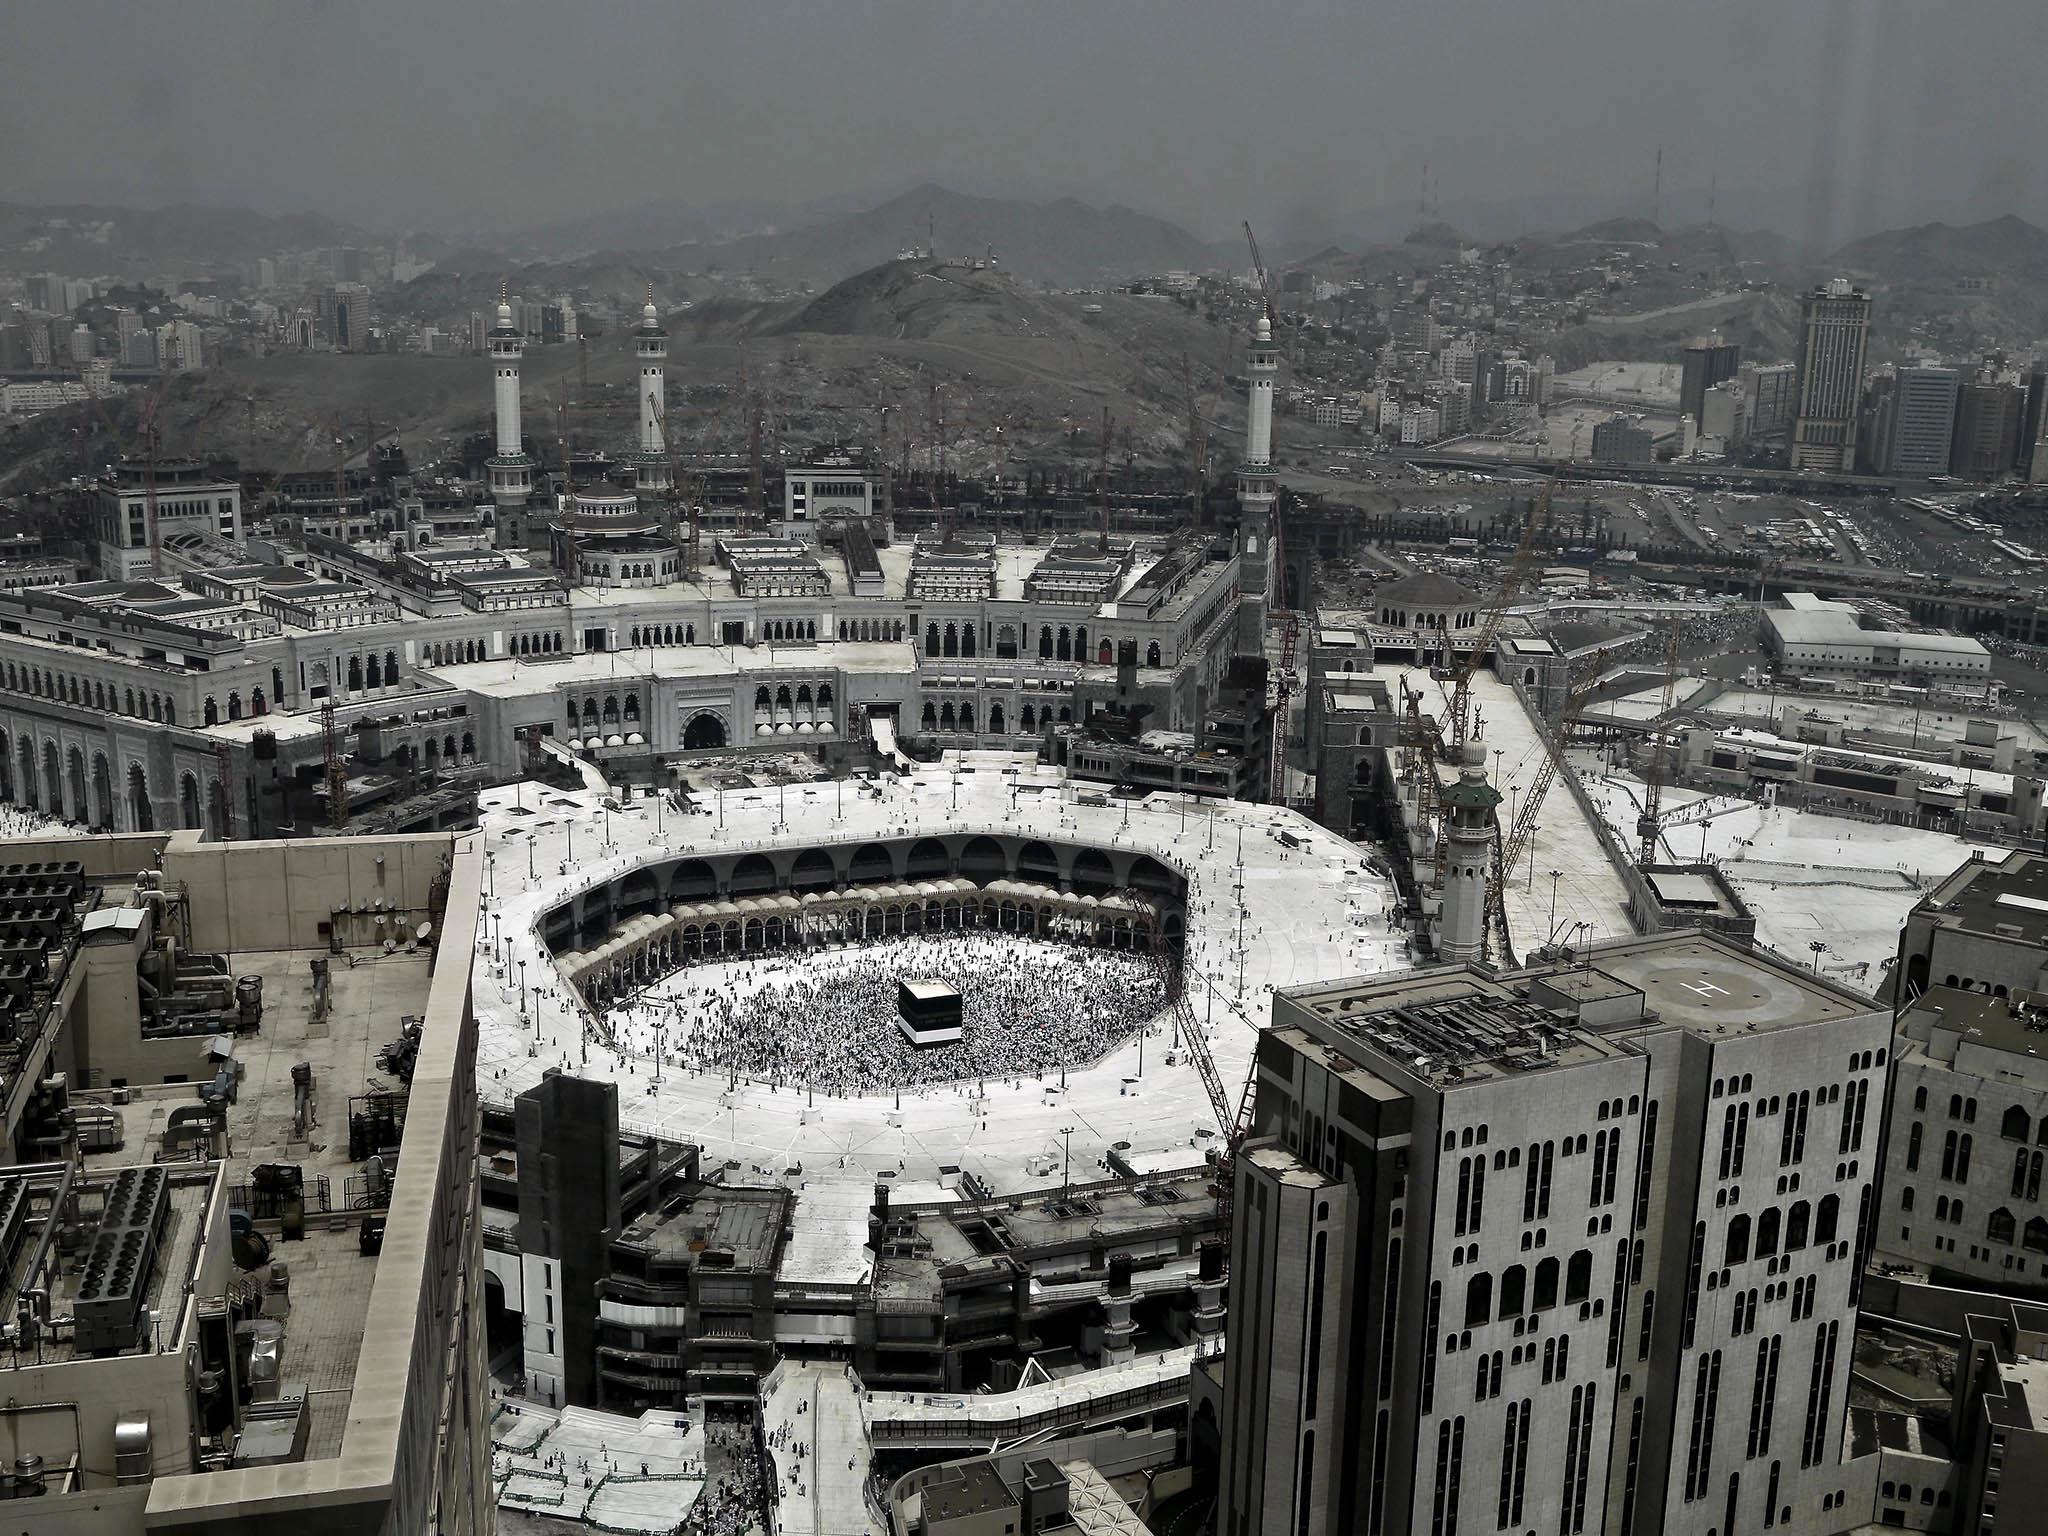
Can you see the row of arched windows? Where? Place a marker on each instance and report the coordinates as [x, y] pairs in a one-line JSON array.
[[446, 653], [90, 800], [548, 643], [612, 711], [662, 634], [210, 710], [785, 702], [871, 629], [88, 693], [778, 630], [1800, 1224], [951, 717]]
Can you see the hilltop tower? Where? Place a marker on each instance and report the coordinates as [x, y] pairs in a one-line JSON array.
[[1470, 827], [650, 345], [510, 470]]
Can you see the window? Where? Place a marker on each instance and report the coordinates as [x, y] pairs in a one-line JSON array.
[[1578, 1276], [1737, 1249], [1546, 1284], [1513, 1283], [1478, 1300]]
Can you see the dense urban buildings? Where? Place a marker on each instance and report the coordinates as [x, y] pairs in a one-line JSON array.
[[688, 877]]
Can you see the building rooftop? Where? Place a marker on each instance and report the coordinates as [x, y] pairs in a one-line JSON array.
[[1426, 590], [2006, 899], [1457, 1025]]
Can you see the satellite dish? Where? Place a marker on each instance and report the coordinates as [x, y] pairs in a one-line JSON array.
[[424, 930], [390, 946]]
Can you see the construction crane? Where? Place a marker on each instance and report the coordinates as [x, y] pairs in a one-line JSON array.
[[1102, 477], [1235, 1125], [152, 440], [687, 491], [1647, 824], [1290, 635], [337, 770], [1508, 853], [1489, 627], [1259, 270]]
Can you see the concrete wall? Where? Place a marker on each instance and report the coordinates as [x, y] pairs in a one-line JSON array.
[[415, 1455], [284, 895]]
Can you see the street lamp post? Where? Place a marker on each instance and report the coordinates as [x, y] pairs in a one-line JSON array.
[[1066, 1159], [1555, 875]]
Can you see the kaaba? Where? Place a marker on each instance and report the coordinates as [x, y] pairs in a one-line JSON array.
[[928, 1012]]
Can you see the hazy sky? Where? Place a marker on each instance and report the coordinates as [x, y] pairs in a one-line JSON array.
[[479, 113]]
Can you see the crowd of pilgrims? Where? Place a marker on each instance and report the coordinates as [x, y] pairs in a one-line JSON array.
[[827, 1021]]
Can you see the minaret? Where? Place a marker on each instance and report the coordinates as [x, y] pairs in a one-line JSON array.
[[1469, 828], [650, 343], [1256, 493], [510, 470]]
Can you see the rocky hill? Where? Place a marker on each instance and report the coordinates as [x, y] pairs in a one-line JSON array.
[[1063, 243]]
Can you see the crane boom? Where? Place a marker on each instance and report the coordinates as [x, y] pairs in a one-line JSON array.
[[1489, 628], [1647, 824], [1259, 269]]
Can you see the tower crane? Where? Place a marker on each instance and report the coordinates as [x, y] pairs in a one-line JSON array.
[[1489, 627], [1259, 270], [1509, 851], [1233, 1125], [1647, 824], [1198, 447]]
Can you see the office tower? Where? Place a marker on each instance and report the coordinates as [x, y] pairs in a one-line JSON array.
[[1773, 396], [1706, 364], [1834, 334], [1986, 444], [1622, 440], [1572, 1248], [1724, 412], [1919, 422], [2033, 456]]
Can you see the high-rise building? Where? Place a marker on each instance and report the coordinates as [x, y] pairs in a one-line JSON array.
[[1986, 444], [1724, 412], [2033, 453], [1834, 334], [1622, 440], [81, 343], [1773, 396], [189, 351], [1705, 364], [1634, 1190], [1919, 422]]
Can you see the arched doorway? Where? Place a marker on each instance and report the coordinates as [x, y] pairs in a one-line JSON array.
[[75, 771], [188, 801], [704, 732], [141, 814], [102, 790]]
